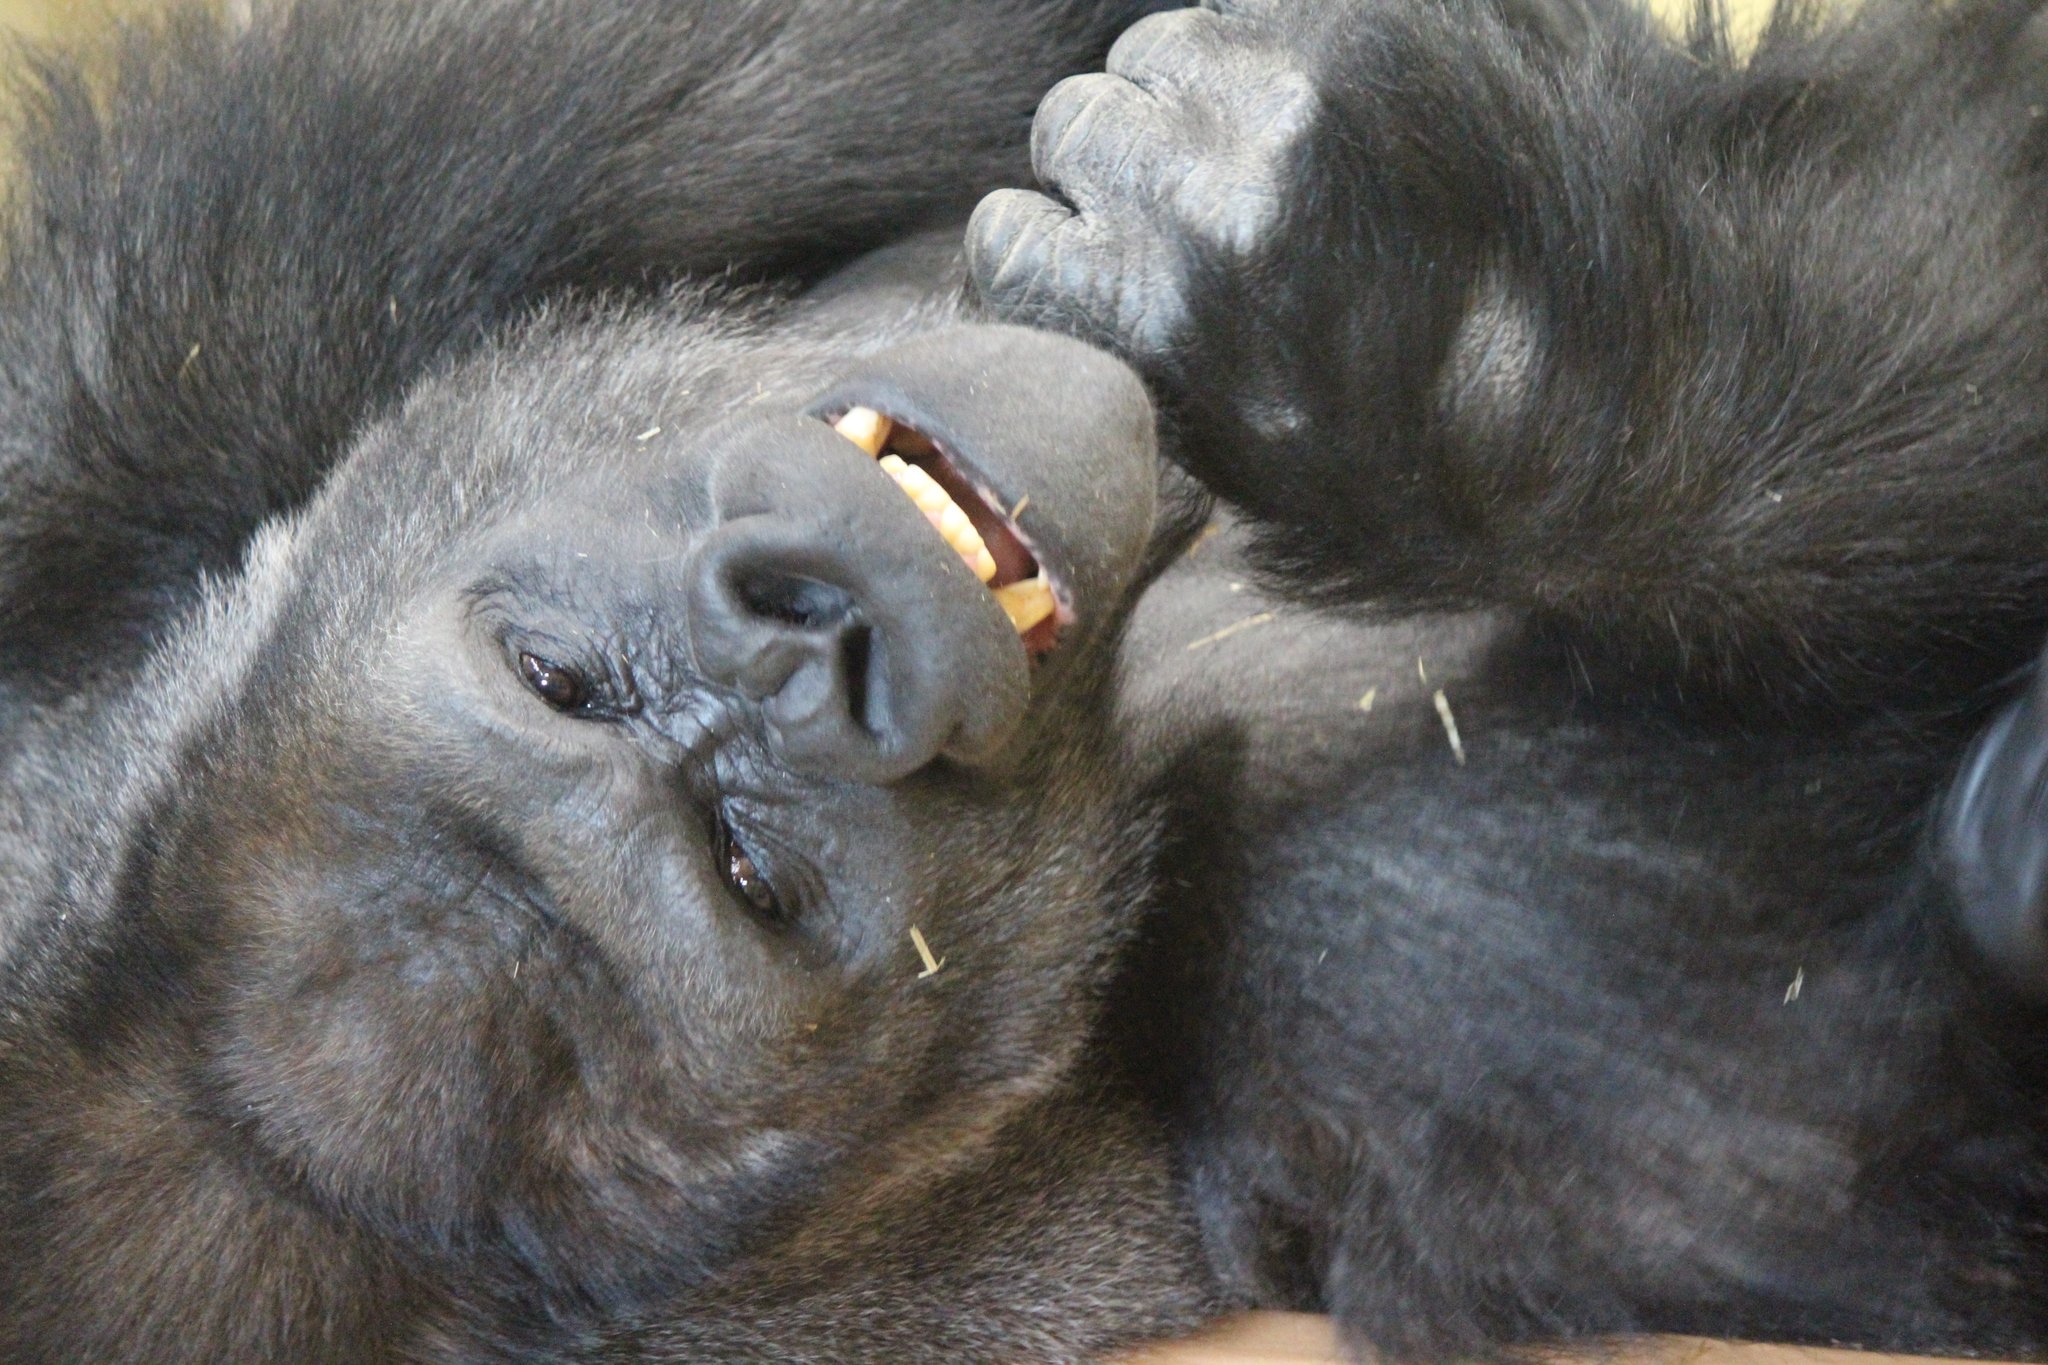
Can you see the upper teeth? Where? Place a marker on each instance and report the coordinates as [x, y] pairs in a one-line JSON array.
[[869, 430], [864, 427], [1026, 603], [943, 513]]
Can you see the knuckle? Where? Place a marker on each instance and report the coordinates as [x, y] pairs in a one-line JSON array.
[[1170, 45], [1007, 240], [1071, 114]]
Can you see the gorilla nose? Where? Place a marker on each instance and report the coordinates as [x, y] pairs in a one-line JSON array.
[[824, 596]]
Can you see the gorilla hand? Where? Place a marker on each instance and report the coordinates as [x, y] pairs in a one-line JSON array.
[[1174, 245], [1460, 300], [1280, 215]]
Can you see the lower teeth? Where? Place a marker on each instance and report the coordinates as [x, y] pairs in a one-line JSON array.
[[1026, 603]]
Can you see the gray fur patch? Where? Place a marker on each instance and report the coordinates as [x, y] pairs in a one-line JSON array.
[[1490, 374]]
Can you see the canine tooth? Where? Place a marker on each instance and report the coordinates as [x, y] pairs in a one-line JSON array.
[[1026, 603], [864, 427]]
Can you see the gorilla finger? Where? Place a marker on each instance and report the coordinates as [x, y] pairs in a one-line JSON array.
[[1091, 136], [1175, 50], [1009, 243], [1033, 261]]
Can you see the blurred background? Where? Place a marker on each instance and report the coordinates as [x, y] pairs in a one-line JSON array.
[[46, 18]]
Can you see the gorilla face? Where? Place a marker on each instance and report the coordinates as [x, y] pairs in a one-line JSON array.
[[574, 846]]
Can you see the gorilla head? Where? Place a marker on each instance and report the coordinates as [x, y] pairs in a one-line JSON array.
[[597, 742]]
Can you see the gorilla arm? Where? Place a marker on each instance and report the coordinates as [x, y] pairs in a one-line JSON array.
[[1735, 372], [1731, 375]]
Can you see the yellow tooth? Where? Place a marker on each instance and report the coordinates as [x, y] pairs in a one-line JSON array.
[[974, 553], [1026, 603], [922, 488], [944, 514], [864, 427]]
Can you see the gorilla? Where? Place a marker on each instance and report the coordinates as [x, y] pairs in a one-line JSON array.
[[521, 843]]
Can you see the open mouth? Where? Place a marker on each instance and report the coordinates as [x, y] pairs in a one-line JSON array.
[[969, 517]]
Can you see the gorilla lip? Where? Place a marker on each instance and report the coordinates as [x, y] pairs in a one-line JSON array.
[[966, 517]]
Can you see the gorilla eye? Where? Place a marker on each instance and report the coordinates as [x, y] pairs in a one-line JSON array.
[[560, 687], [741, 874]]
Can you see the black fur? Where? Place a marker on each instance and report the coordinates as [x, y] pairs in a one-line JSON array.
[[1680, 421], [1708, 397]]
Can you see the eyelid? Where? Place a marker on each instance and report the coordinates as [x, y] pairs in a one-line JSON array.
[[797, 881], [612, 692]]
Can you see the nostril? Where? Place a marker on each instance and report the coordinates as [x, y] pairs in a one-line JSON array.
[[792, 599], [866, 654], [859, 669], [834, 638], [784, 618]]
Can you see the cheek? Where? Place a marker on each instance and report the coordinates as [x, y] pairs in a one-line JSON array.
[[436, 1074], [383, 1066]]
